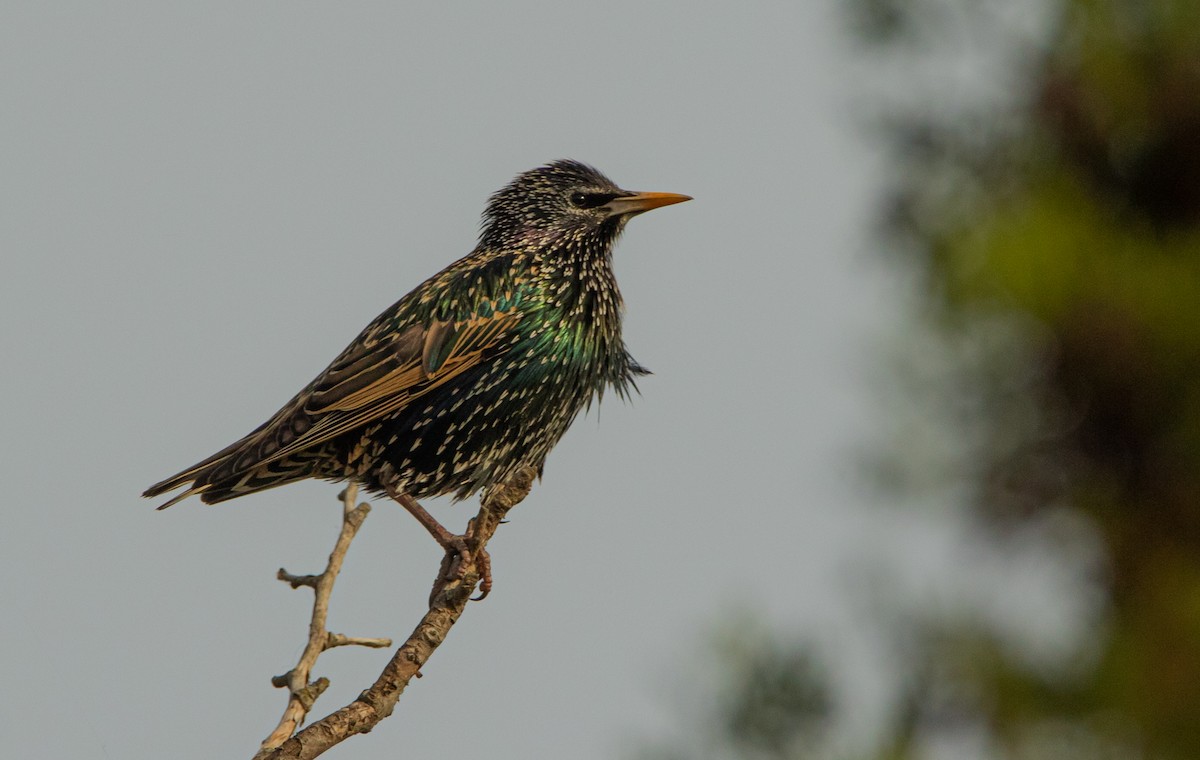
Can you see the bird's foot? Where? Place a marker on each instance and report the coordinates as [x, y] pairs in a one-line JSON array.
[[483, 562], [460, 560]]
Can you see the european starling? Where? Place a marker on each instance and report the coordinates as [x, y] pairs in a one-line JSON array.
[[475, 374]]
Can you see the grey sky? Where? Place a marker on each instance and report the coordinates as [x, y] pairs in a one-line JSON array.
[[201, 205]]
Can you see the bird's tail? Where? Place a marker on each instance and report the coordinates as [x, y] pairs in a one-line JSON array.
[[214, 479], [193, 477], [198, 476], [162, 488]]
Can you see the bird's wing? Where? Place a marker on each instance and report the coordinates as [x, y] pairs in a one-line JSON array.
[[366, 387], [378, 375]]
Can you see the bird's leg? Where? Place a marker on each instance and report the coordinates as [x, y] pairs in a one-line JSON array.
[[447, 540], [458, 556]]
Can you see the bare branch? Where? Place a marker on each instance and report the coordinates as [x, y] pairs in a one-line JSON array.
[[342, 640], [449, 601], [301, 693], [297, 581]]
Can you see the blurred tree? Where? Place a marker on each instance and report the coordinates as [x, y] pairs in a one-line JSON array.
[[1056, 225], [1077, 209], [764, 698]]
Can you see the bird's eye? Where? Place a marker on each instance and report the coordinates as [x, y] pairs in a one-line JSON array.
[[590, 200]]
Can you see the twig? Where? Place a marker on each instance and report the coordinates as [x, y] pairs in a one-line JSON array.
[[302, 693], [342, 640], [448, 603]]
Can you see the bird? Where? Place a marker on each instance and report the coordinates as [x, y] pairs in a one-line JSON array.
[[473, 375]]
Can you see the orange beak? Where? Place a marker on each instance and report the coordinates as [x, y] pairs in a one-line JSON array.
[[640, 202]]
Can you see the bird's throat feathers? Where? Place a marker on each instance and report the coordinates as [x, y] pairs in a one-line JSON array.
[[576, 283]]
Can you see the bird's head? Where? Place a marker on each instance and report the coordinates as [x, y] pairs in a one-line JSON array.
[[564, 200]]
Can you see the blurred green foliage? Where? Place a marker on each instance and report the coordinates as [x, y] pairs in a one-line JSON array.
[[1074, 206], [1079, 208], [764, 697]]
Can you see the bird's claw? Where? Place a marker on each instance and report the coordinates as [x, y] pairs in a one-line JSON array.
[[458, 560], [484, 561], [483, 566]]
